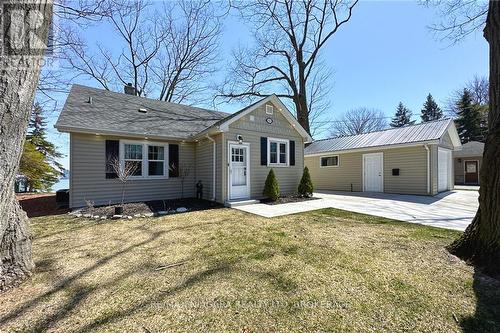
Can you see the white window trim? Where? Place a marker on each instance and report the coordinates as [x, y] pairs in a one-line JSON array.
[[329, 166], [269, 109], [287, 150], [145, 165]]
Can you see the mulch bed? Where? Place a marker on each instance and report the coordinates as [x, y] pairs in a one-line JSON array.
[[39, 204], [135, 208], [287, 199]]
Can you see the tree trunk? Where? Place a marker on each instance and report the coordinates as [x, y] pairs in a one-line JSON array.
[[18, 80], [480, 243], [300, 99]]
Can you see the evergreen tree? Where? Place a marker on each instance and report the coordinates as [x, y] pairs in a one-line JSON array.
[[271, 187], [40, 174], [39, 159], [431, 110], [470, 120], [306, 187], [402, 116]]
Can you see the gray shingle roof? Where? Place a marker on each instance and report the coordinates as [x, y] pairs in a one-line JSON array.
[[117, 112], [432, 130], [472, 148]]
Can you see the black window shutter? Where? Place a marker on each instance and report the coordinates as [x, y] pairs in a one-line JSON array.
[[263, 151], [292, 152], [173, 156], [112, 155]]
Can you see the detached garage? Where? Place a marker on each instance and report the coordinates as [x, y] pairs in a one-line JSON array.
[[414, 159]]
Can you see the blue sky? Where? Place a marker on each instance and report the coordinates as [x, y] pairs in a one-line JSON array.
[[384, 55]]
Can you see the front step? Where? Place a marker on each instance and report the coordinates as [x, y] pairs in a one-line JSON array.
[[237, 203]]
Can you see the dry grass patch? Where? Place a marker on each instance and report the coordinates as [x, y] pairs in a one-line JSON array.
[[327, 270]]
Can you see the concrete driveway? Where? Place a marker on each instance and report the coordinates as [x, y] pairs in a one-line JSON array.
[[450, 210]]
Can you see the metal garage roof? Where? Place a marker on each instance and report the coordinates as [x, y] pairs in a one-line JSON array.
[[432, 130]]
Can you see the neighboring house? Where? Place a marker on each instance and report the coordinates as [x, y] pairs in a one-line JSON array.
[[174, 146], [414, 159], [467, 163], [21, 184]]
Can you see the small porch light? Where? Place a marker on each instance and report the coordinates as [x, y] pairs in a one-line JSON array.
[[239, 138]]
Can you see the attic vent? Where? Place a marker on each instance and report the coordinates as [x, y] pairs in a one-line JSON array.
[[142, 110], [269, 109]]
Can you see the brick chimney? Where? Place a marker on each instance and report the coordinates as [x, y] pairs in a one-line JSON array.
[[129, 90]]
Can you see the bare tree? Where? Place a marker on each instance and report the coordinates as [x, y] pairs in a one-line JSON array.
[[123, 172], [479, 89], [460, 18], [137, 30], [289, 36], [480, 243], [189, 50], [169, 54], [17, 84], [359, 121]]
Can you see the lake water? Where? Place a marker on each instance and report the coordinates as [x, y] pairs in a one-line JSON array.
[[61, 184]]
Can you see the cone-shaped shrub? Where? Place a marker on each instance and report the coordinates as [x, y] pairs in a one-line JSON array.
[[271, 188], [306, 185]]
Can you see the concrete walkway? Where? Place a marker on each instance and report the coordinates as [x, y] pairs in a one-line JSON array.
[[467, 187], [450, 210]]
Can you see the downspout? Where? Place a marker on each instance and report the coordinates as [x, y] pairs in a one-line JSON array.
[[213, 166], [428, 169]]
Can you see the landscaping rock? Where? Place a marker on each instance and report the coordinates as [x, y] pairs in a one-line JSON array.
[[78, 215], [116, 217], [149, 214], [181, 210], [87, 215], [104, 217], [137, 215], [162, 212]]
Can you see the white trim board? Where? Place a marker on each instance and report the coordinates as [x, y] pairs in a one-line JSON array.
[[367, 149]]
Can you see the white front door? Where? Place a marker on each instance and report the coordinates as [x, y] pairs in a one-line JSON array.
[[444, 169], [373, 174], [239, 175]]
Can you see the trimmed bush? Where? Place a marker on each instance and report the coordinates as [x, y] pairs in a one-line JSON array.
[[306, 186], [271, 188]]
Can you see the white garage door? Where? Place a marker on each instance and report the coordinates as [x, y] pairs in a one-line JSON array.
[[444, 169]]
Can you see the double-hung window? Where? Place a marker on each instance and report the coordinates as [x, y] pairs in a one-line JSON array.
[[278, 152], [156, 160], [147, 160], [132, 157]]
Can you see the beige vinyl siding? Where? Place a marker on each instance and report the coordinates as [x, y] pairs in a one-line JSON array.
[[288, 177], [446, 142], [204, 166], [347, 176], [412, 165], [88, 180], [220, 169], [411, 162]]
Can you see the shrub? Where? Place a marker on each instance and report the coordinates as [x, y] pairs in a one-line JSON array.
[[271, 188], [306, 186]]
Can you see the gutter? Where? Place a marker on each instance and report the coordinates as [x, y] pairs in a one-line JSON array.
[[213, 165], [428, 169]]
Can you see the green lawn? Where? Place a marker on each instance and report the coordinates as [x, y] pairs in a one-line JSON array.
[[327, 270]]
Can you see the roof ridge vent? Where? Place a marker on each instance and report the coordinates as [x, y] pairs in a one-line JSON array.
[[143, 110]]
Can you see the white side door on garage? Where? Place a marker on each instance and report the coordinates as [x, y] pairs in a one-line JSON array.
[[373, 172], [444, 169]]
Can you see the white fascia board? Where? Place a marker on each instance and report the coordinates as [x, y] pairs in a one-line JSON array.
[[366, 149], [66, 129], [455, 138], [224, 127]]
